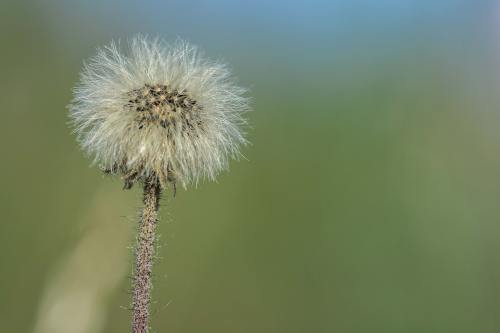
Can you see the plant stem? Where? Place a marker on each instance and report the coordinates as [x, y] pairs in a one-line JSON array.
[[144, 254]]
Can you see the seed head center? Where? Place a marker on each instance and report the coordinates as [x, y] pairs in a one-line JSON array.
[[162, 106]]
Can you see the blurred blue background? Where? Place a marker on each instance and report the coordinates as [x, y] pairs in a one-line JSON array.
[[369, 200]]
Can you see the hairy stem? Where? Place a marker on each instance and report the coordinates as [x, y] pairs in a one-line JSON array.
[[144, 256]]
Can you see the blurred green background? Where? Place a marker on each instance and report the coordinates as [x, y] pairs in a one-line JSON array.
[[369, 200]]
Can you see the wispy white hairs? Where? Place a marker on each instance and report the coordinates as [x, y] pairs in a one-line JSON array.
[[153, 109]]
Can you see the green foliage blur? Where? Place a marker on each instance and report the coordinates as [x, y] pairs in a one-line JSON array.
[[368, 200]]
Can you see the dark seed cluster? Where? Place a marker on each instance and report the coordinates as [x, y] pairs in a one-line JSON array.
[[161, 106]]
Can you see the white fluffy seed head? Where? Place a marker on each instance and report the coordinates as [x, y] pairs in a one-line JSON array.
[[153, 109]]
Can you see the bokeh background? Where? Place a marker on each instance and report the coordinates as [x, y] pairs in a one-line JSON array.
[[369, 200]]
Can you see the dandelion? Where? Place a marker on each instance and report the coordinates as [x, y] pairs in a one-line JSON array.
[[157, 114]]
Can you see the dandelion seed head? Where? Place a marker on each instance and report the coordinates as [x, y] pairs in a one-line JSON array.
[[153, 109]]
